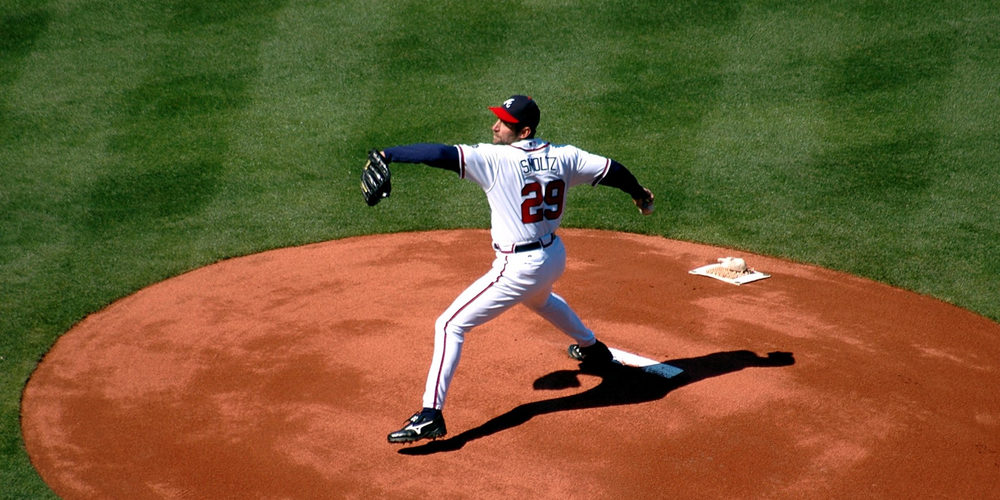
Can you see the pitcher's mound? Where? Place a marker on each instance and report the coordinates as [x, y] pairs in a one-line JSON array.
[[278, 376]]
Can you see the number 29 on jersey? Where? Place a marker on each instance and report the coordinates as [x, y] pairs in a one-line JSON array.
[[542, 201]]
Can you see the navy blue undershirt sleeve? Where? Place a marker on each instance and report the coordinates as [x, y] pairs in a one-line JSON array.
[[619, 177], [435, 155]]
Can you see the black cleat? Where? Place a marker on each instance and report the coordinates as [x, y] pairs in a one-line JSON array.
[[420, 426], [595, 355]]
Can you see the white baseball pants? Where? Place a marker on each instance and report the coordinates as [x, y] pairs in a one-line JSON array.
[[515, 278]]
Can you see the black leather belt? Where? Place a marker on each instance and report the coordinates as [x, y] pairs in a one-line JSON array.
[[527, 247]]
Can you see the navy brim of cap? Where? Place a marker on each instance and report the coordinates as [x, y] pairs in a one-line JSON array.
[[503, 114]]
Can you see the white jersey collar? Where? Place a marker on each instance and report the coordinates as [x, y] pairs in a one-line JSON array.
[[530, 144]]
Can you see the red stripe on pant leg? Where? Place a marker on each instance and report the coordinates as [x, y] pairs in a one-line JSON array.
[[444, 347]]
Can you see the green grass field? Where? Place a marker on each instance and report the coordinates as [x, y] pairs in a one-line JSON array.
[[142, 139]]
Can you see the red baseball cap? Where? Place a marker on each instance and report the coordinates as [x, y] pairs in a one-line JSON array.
[[519, 109]]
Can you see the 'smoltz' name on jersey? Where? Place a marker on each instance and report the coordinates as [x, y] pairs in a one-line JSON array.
[[538, 164]]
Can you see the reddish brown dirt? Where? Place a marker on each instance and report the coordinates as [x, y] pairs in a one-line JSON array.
[[278, 375]]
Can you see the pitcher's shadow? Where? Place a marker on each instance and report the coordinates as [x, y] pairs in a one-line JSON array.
[[620, 385]]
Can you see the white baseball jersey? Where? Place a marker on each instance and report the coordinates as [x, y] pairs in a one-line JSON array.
[[526, 184]]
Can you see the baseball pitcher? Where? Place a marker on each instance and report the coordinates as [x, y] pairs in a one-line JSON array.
[[525, 180]]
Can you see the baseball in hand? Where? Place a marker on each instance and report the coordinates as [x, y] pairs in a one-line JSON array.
[[645, 205]]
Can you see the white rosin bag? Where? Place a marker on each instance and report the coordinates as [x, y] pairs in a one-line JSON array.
[[732, 270]]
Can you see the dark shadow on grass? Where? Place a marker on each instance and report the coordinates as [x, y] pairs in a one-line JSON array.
[[621, 385]]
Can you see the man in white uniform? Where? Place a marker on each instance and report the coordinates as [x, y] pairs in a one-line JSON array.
[[525, 180]]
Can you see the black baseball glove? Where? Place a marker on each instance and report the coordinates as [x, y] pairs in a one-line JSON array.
[[375, 178]]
